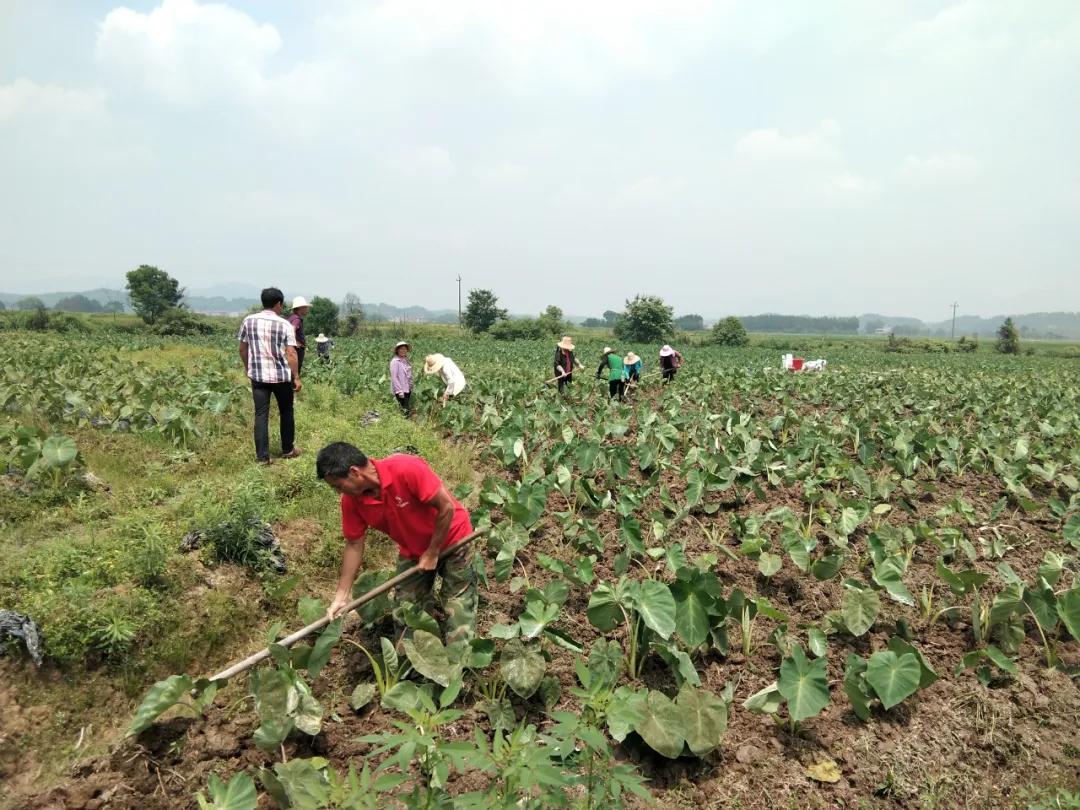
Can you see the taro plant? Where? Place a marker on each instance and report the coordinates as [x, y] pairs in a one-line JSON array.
[[890, 676], [802, 685], [646, 609]]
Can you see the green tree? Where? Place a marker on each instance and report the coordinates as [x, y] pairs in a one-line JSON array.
[[729, 332], [3, 306], [551, 320], [482, 311], [647, 319], [78, 303], [594, 323], [29, 304], [1008, 339], [322, 317], [153, 291], [690, 323], [114, 306], [351, 304], [611, 317]]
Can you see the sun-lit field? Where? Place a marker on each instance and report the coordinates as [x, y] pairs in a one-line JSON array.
[[748, 588]]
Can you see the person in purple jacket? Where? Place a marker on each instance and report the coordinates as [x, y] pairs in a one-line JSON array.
[[401, 376]]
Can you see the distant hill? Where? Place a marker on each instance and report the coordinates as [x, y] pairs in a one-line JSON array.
[[1044, 325]]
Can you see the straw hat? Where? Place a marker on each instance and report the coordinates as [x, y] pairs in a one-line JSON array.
[[401, 343], [322, 338], [630, 359], [666, 351], [433, 363], [299, 302], [608, 350], [566, 343]]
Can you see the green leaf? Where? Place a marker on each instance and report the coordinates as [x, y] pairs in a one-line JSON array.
[[522, 667], [888, 575], [310, 609], [681, 666], [662, 728], [856, 687], [656, 606], [362, 695], [849, 521], [860, 609], [1071, 531], [926, 673], [603, 609], [626, 711], [59, 451], [324, 645], [238, 794], [500, 714], [691, 612], [305, 783], [961, 582], [828, 566], [428, 656], [403, 696], [162, 696], [1002, 660], [1043, 606], [765, 701], [803, 685], [704, 719], [1068, 608], [818, 643], [893, 677], [769, 563]]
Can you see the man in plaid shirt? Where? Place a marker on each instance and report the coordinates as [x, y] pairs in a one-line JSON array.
[[268, 350]]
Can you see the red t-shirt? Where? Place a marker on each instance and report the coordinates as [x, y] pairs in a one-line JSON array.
[[401, 512]]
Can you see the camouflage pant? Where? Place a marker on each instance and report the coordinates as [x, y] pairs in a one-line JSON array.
[[458, 593]]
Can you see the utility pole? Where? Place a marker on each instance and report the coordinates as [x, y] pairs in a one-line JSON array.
[[952, 335], [459, 299]]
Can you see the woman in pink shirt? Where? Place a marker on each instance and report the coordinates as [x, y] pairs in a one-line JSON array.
[[401, 376]]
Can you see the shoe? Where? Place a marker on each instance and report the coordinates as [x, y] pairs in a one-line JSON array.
[[294, 453], [266, 461]]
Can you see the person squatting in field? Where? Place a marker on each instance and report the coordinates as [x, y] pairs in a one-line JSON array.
[[632, 368], [401, 382], [448, 370], [402, 497], [612, 362], [670, 360], [565, 362], [268, 352], [300, 309]]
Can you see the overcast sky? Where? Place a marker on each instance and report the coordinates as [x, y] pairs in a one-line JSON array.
[[733, 157]]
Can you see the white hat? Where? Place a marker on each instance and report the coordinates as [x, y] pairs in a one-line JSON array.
[[401, 343], [322, 338], [608, 350], [433, 363], [566, 343], [299, 301], [630, 359], [666, 351]]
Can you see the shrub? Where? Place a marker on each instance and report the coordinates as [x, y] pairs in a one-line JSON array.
[[519, 329], [967, 346], [729, 332], [1008, 339], [178, 322], [647, 320]]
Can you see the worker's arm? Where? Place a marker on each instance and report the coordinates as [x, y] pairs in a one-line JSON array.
[[294, 365], [351, 563], [244, 355], [444, 516]]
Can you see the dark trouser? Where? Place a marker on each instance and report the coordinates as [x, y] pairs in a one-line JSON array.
[[635, 376], [283, 393], [403, 400], [616, 388], [324, 358], [668, 375], [564, 381], [300, 350]]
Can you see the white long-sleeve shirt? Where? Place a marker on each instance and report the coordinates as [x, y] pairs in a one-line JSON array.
[[452, 376]]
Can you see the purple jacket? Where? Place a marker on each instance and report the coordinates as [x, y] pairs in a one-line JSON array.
[[400, 375]]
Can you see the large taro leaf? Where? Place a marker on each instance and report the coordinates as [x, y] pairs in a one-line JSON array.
[[626, 710], [428, 656], [888, 575], [656, 606], [237, 794], [276, 700], [371, 612], [59, 451], [893, 677], [309, 712], [663, 726], [859, 608], [803, 685], [324, 645], [961, 582], [604, 611], [161, 696], [926, 673], [691, 612], [404, 696], [681, 666], [765, 701], [522, 667], [704, 718], [1042, 604], [361, 696], [1068, 608], [606, 662], [304, 782]]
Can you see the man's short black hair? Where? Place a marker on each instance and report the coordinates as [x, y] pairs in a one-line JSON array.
[[271, 297], [335, 460]]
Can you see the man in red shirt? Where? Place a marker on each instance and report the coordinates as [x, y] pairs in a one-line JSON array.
[[402, 497]]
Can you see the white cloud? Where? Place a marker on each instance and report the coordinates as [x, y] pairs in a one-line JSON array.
[[503, 173], [27, 99], [818, 144], [651, 190], [939, 169], [850, 184], [187, 52]]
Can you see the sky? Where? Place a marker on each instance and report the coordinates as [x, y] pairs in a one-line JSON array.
[[735, 157]]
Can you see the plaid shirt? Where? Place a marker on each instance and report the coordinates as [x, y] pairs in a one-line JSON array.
[[266, 335]]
